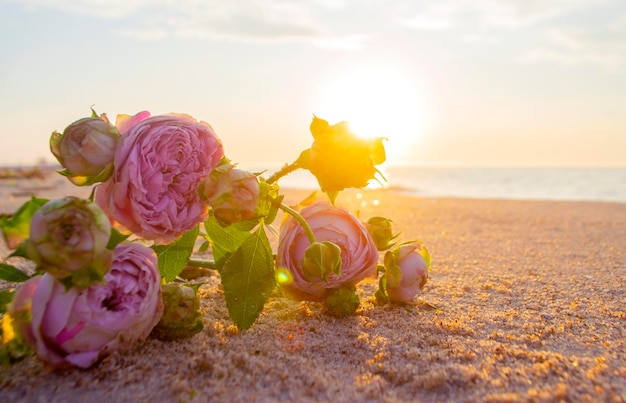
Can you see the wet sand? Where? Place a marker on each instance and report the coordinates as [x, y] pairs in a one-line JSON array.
[[525, 302]]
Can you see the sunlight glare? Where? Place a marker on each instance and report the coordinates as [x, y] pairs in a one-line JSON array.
[[377, 101]]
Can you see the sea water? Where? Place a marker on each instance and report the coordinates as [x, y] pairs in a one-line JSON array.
[[576, 184]]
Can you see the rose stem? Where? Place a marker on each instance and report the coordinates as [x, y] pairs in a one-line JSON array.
[[307, 229], [207, 264], [285, 170]]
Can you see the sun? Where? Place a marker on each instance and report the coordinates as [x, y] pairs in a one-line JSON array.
[[377, 100]]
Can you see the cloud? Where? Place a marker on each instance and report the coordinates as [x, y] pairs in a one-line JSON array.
[[605, 46], [315, 21], [432, 17], [95, 8], [485, 14]]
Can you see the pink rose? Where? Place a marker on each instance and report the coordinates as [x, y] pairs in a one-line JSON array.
[[81, 327], [406, 269], [359, 256], [159, 165], [68, 239], [85, 149], [232, 193]]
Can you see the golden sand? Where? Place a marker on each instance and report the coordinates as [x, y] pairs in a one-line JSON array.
[[526, 302]]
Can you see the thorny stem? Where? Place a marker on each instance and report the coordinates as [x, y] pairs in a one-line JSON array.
[[285, 170]]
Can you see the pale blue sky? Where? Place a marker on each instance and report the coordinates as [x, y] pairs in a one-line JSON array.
[[487, 82]]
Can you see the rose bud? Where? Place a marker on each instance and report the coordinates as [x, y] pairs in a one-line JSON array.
[[68, 239], [79, 328], [181, 313], [333, 224], [342, 301], [160, 163], [232, 193], [339, 159], [406, 271], [85, 149], [380, 229], [321, 259]]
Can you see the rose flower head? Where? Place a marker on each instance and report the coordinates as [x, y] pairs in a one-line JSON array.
[[80, 327], [332, 224], [406, 271], [86, 149], [160, 163], [181, 313], [339, 159], [382, 232], [68, 239], [232, 193]]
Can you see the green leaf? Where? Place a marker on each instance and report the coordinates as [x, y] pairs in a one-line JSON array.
[[174, 257], [12, 274], [248, 279], [116, 238], [5, 298], [381, 294], [16, 227], [225, 240]]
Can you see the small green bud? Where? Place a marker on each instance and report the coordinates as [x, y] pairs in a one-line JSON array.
[[343, 301], [322, 259], [181, 313], [380, 228]]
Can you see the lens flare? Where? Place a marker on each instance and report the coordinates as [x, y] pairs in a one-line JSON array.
[[283, 276]]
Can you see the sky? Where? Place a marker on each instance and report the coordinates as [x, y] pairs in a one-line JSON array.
[[463, 82]]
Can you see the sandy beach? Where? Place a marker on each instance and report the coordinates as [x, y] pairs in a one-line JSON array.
[[526, 302]]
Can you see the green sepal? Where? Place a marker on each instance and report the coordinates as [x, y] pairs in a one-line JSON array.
[[271, 216], [78, 180], [391, 265], [174, 257], [381, 294], [248, 279], [342, 301], [12, 274], [269, 200], [21, 250], [116, 238], [83, 278]]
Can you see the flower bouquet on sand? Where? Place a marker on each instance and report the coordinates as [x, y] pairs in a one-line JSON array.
[[108, 271]]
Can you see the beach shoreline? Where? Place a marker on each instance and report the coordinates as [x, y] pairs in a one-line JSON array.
[[525, 302]]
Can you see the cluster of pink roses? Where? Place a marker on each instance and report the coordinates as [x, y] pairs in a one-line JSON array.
[[157, 178], [159, 173], [356, 255], [92, 300]]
